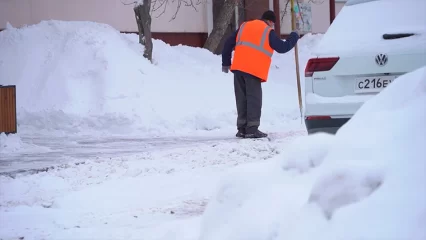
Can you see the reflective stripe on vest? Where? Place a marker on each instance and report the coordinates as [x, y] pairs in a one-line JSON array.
[[252, 45]]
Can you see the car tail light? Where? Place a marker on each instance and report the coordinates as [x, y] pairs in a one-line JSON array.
[[318, 117], [319, 65]]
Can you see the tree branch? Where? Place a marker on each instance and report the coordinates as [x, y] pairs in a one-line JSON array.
[[187, 3], [301, 15], [177, 10], [318, 2], [162, 3], [134, 2], [285, 11]]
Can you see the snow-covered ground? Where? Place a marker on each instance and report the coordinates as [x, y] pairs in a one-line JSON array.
[[137, 148]]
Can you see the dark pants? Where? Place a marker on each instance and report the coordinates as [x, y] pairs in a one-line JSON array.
[[248, 96]]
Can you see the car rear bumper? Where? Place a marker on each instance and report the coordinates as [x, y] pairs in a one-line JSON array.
[[333, 106], [324, 125], [328, 114]]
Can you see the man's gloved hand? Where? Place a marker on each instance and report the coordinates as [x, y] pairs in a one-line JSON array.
[[296, 31], [225, 69]]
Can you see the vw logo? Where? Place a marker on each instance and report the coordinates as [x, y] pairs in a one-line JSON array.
[[381, 59]]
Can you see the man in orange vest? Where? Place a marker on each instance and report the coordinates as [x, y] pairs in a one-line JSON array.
[[253, 43]]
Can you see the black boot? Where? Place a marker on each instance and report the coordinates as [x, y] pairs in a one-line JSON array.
[[256, 134], [241, 133]]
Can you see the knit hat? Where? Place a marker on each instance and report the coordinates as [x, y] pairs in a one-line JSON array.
[[269, 15]]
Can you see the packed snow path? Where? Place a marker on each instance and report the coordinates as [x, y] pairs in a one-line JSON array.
[[79, 149]]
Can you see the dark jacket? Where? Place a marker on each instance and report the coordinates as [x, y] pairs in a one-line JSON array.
[[275, 42]]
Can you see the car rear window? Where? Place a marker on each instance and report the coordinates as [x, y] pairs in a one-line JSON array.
[[364, 26]]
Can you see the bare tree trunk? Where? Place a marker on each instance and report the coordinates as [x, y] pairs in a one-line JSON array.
[[219, 27], [143, 20]]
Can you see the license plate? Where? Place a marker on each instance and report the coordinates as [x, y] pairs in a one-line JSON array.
[[372, 84]]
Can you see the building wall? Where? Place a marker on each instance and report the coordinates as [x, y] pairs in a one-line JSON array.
[[190, 26], [112, 12], [320, 16]]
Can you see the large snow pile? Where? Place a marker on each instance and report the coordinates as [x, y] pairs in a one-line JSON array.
[[80, 76], [366, 182], [366, 32]]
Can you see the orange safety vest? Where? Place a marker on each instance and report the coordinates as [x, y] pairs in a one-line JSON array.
[[252, 51]]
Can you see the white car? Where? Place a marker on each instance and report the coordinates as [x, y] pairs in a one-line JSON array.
[[368, 45]]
